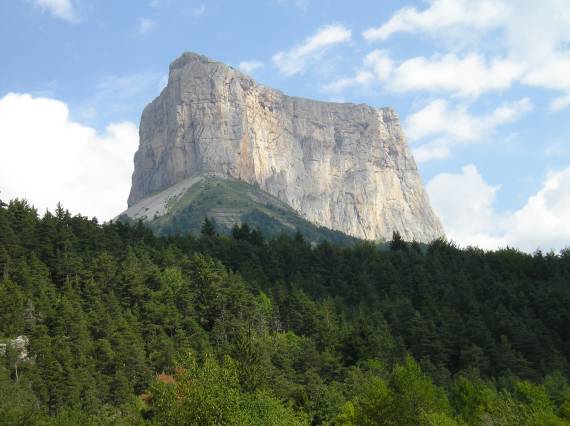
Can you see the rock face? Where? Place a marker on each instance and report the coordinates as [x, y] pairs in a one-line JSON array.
[[343, 166], [19, 344]]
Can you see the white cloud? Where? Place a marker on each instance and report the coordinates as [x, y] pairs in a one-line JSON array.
[[438, 127], [296, 59], [63, 9], [530, 30], [437, 118], [553, 74], [464, 202], [360, 79], [46, 157], [146, 26], [466, 76], [543, 221], [532, 36], [380, 63], [536, 31], [433, 150], [377, 66], [250, 66], [441, 14]]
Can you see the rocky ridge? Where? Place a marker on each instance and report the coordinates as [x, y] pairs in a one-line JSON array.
[[343, 166]]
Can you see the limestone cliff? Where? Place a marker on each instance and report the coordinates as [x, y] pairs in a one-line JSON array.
[[343, 166]]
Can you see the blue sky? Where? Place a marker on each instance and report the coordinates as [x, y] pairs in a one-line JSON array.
[[482, 89]]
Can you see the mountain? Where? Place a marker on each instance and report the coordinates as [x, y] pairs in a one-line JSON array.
[[341, 166]]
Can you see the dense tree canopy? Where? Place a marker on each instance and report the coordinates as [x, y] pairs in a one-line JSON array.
[[127, 327]]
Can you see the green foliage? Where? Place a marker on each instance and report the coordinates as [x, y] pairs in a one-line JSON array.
[[208, 228], [403, 396], [282, 331], [209, 393], [18, 404], [237, 201]]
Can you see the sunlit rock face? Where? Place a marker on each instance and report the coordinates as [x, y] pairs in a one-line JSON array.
[[339, 165]]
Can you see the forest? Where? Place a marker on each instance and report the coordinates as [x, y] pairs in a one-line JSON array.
[[104, 324]]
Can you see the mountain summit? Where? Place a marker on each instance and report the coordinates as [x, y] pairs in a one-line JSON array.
[[342, 166]]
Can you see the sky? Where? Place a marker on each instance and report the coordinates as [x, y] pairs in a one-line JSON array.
[[482, 88]]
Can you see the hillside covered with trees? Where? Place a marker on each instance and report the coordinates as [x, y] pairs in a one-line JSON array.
[[124, 327]]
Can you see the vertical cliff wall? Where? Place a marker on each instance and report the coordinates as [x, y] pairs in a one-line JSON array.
[[343, 166]]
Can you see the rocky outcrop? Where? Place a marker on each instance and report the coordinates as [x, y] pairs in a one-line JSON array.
[[343, 166], [19, 345]]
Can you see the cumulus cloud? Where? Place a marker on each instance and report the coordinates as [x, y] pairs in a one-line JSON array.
[[532, 36], [553, 74], [295, 60], [464, 202], [531, 31], [464, 76], [536, 32], [250, 66], [377, 66], [439, 15], [437, 118], [453, 125], [543, 221], [63, 9], [433, 150], [48, 158]]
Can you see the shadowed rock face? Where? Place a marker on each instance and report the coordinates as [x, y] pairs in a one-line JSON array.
[[343, 166]]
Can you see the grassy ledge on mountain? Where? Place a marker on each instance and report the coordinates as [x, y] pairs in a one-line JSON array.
[[228, 202]]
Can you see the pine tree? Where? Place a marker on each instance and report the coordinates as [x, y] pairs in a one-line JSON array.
[[208, 228]]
